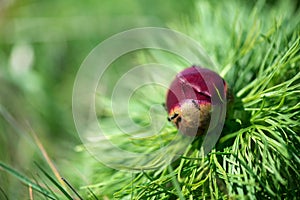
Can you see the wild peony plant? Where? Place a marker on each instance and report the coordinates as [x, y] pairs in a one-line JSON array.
[[256, 48]]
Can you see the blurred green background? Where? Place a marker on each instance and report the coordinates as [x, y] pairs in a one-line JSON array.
[[42, 44]]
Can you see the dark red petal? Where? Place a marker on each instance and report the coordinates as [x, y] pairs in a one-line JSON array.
[[196, 83]]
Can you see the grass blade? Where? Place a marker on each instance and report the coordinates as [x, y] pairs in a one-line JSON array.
[[55, 182], [25, 180]]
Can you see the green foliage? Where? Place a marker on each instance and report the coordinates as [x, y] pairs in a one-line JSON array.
[[256, 48], [42, 45], [26, 181]]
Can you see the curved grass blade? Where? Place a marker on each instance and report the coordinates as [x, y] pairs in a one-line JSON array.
[[72, 188], [55, 182], [26, 181]]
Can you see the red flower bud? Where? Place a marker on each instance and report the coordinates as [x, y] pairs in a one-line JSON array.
[[191, 98]]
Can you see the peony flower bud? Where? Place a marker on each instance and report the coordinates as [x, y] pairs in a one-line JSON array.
[[192, 96]]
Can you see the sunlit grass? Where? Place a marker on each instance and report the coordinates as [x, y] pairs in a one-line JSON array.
[[257, 155], [256, 49]]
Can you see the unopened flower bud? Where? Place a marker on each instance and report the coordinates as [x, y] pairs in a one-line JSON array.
[[191, 98]]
